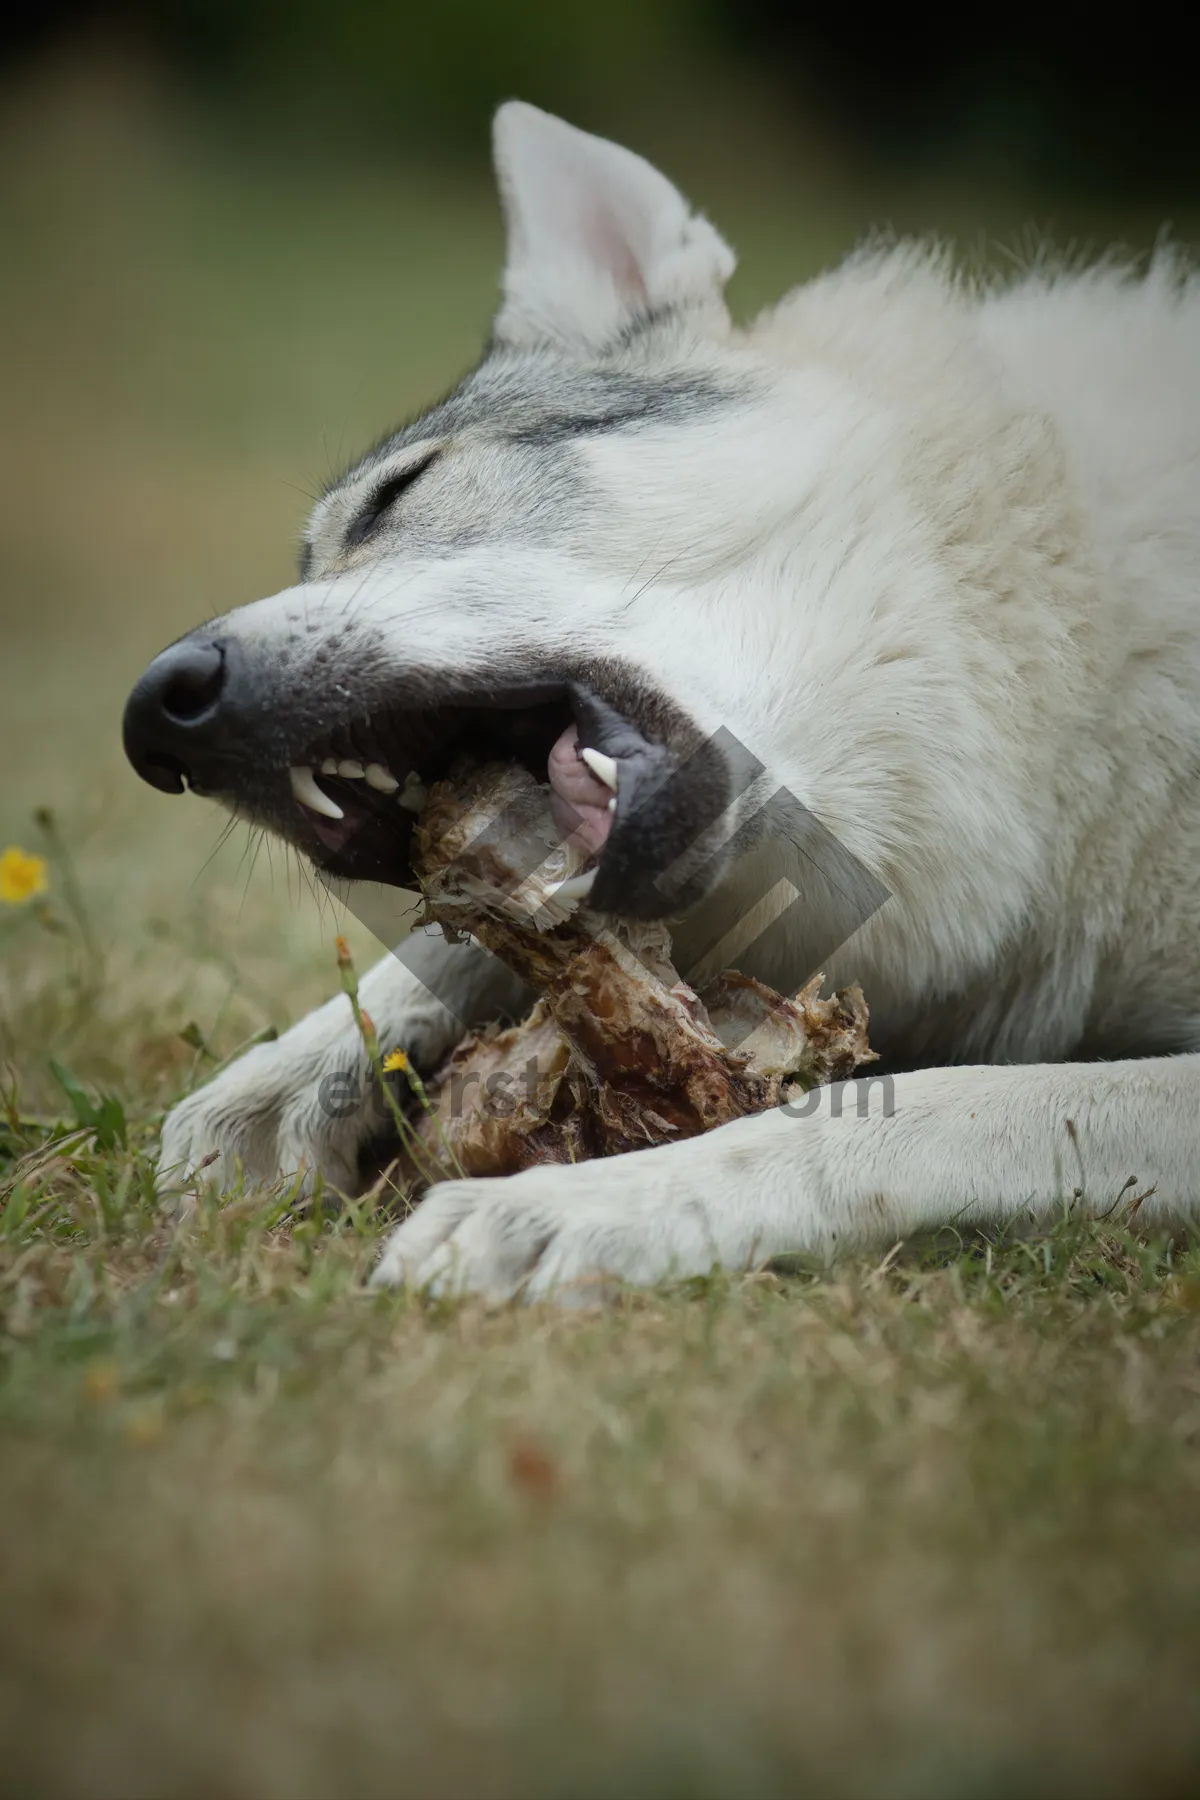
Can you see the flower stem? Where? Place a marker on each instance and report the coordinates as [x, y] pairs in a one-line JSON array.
[[370, 1038]]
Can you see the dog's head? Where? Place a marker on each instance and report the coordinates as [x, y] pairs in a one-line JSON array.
[[558, 547]]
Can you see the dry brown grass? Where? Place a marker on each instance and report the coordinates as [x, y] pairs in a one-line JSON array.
[[924, 1529], [917, 1530]]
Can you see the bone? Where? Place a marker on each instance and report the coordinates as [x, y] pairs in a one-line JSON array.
[[619, 1052]]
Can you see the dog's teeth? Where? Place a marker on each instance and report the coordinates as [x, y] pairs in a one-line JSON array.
[[329, 766], [415, 793], [612, 805], [557, 900], [574, 888], [305, 788], [380, 778], [603, 767], [350, 771]]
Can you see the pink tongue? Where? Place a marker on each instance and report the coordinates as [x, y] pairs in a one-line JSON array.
[[579, 799]]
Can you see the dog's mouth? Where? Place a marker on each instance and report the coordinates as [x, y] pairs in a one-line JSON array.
[[619, 792]]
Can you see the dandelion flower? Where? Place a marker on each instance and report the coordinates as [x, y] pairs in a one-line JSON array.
[[395, 1059], [21, 876]]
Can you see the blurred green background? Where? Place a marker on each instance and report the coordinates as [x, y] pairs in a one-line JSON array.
[[242, 237]]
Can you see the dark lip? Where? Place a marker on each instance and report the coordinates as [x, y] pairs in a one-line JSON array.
[[374, 840], [673, 784]]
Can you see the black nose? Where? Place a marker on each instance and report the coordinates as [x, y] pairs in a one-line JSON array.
[[173, 716]]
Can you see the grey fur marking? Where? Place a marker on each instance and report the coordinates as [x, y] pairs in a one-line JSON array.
[[547, 398]]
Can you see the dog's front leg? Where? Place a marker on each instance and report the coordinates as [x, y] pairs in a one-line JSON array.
[[857, 1166], [308, 1102]]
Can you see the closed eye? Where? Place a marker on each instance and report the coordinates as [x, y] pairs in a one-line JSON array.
[[384, 497]]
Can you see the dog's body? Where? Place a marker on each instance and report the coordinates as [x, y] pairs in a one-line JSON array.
[[932, 556]]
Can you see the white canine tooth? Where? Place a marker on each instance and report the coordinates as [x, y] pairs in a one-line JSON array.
[[380, 778], [612, 805], [415, 793], [603, 767], [574, 888], [329, 766], [350, 771], [554, 904], [307, 792]]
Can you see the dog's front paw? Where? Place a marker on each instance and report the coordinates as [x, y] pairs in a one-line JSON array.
[[308, 1104], [574, 1233], [284, 1109], [731, 1199]]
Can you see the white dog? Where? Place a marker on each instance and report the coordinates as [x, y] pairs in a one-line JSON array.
[[929, 555]]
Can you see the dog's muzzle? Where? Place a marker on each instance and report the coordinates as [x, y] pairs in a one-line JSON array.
[[628, 772]]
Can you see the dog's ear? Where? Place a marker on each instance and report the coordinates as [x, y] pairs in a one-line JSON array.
[[596, 237]]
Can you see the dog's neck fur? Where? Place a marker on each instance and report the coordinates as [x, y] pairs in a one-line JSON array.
[[992, 715]]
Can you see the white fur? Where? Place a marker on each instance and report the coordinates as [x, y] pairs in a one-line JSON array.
[[940, 572], [966, 1147]]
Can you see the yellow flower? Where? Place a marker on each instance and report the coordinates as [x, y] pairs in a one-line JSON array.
[[21, 876], [395, 1059]]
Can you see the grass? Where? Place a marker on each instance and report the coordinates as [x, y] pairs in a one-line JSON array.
[[925, 1527], [920, 1528]]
